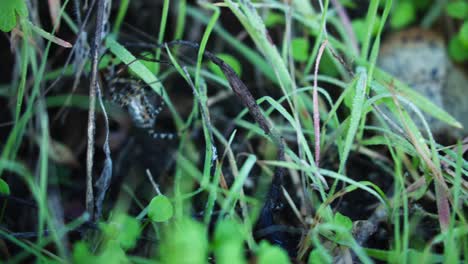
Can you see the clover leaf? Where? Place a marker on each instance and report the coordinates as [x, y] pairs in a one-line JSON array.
[[160, 209], [8, 11]]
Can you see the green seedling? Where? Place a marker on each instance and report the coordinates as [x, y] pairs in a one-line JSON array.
[[160, 209]]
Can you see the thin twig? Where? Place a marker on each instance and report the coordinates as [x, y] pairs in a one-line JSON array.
[[155, 186], [92, 108], [103, 183]]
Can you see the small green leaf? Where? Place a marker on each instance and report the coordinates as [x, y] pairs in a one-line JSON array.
[[463, 34], [49, 36], [316, 256], [81, 253], [124, 229], [113, 252], [230, 60], [227, 229], [4, 188], [271, 254], [327, 67], [110, 229], [185, 242], [228, 242], [360, 28], [130, 232], [457, 9], [403, 15], [9, 9], [160, 209], [274, 19], [458, 52], [300, 49], [343, 221]]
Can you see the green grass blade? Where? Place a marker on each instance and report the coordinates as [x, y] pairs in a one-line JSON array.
[[229, 204], [356, 114], [254, 25], [24, 70], [181, 16], [253, 57], [370, 21], [162, 31], [120, 16], [419, 100], [204, 41]]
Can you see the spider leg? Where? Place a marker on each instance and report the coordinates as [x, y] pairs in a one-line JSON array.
[[160, 135]]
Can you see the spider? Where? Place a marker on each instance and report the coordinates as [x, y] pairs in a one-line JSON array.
[[130, 94]]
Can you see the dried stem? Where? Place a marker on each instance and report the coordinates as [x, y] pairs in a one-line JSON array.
[[92, 108], [316, 106]]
